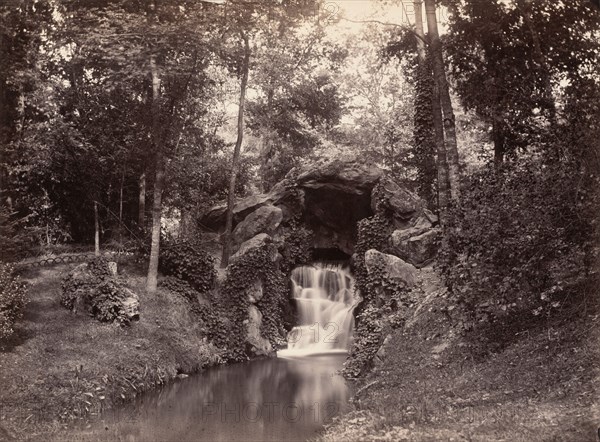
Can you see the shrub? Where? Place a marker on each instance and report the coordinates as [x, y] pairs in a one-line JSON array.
[[188, 262], [518, 246], [13, 298], [93, 287]]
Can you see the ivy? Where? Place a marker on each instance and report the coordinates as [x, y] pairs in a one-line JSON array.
[[94, 286], [374, 288], [261, 264], [295, 245], [256, 264], [188, 262]]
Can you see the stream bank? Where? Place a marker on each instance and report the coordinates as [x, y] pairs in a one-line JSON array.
[[60, 368], [429, 384]]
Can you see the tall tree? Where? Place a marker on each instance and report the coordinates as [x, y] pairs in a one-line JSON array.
[[428, 131], [439, 71], [236, 152]]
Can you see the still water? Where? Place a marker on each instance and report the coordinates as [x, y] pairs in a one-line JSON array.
[[264, 400]]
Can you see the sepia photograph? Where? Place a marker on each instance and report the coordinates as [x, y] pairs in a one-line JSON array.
[[300, 220]]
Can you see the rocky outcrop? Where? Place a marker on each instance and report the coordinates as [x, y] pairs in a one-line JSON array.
[[398, 203], [259, 345], [330, 198], [419, 248], [393, 268], [256, 242], [354, 177], [265, 219]]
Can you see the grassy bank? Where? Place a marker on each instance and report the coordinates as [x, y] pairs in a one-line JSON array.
[[60, 367], [541, 386]]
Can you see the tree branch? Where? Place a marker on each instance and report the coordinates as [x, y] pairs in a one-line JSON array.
[[383, 23]]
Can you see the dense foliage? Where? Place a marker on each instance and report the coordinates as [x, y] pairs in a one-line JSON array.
[[521, 246], [13, 298], [93, 288], [189, 263], [295, 246]]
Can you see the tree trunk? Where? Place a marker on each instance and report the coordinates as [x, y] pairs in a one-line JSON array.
[[449, 120], [499, 144], [142, 203], [152, 278], [236, 155], [443, 180], [96, 230], [121, 208], [424, 141]]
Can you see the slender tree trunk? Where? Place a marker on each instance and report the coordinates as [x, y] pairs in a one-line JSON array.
[[424, 141], [96, 230], [142, 203], [121, 208], [499, 144], [445, 101], [236, 155], [20, 124], [443, 180], [421, 49], [152, 279]]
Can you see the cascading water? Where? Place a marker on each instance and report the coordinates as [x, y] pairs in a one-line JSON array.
[[325, 299]]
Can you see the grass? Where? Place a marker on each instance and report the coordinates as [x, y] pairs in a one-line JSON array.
[[60, 367], [540, 387]]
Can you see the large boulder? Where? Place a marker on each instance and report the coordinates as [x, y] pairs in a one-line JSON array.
[[349, 176], [330, 198], [259, 346], [397, 202], [265, 219], [394, 268], [256, 242], [283, 195], [416, 245]]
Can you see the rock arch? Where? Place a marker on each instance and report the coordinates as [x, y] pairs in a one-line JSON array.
[[330, 198]]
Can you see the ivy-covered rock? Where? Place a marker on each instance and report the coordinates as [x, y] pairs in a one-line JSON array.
[[259, 345], [392, 268], [91, 288], [257, 242], [254, 266], [265, 219]]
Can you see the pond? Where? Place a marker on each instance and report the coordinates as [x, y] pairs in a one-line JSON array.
[[288, 398], [264, 400]]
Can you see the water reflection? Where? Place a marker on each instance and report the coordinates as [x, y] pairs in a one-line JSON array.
[[267, 400]]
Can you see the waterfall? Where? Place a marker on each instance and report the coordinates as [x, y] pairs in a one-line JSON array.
[[325, 299]]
